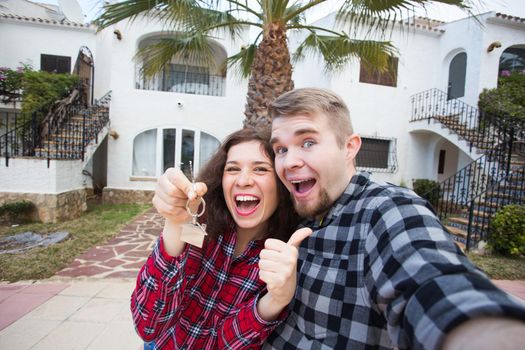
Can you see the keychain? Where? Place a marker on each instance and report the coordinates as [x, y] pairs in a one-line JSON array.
[[194, 233]]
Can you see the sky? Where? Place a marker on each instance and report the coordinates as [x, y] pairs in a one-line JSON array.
[[91, 8]]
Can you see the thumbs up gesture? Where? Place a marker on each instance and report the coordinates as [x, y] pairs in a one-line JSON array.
[[278, 266]]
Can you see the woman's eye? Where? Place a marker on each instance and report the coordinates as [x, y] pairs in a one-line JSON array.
[[261, 170], [231, 169], [308, 144]]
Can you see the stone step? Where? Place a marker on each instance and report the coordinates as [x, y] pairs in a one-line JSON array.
[[55, 151], [459, 238], [55, 143], [457, 231], [496, 196], [476, 213]]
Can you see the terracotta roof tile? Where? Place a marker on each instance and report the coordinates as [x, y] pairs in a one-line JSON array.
[[63, 22]]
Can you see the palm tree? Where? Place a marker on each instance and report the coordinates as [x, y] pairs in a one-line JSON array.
[[267, 60]]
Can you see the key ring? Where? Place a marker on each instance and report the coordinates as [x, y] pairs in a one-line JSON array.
[[196, 215]]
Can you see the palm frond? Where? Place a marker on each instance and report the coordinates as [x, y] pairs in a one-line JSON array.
[[337, 51], [294, 15], [299, 9], [208, 20], [242, 61], [380, 15], [185, 48], [178, 10]]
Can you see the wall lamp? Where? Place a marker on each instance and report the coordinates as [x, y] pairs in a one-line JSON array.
[[494, 45], [114, 134], [118, 34]]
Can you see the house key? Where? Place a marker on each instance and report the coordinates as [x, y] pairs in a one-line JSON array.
[[193, 232]]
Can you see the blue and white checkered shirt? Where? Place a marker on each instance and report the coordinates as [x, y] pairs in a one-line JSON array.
[[380, 272]]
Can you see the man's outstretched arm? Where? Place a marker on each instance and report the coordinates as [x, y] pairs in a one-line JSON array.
[[486, 333]]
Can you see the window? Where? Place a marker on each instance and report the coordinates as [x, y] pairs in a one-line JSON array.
[[441, 163], [183, 74], [457, 72], [371, 75], [512, 59], [187, 79], [377, 153], [144, 147], [169, 147], [55, 64]]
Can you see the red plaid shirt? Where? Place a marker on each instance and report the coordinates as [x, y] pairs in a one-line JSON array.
[[203, 299]]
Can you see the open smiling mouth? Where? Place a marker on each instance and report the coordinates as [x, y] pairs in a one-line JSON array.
[[246, 204], [303, 186]]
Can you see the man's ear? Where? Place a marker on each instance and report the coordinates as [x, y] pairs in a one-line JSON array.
[[353, 144]]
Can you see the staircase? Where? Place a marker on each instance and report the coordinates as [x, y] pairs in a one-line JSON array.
[[65, 133], [469, 198]]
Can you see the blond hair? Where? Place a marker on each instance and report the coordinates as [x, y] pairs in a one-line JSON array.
[[310, 101]]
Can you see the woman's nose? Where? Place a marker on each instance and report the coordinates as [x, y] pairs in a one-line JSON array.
[[245, 178]]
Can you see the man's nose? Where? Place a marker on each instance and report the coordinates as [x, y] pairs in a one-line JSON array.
[[292, 159]]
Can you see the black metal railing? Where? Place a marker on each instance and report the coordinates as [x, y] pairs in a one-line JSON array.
[[64, 133], [183, 82], [459, 117], [509, 190], [499, 139]]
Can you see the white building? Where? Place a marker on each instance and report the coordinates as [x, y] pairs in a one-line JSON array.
[[182, 116]]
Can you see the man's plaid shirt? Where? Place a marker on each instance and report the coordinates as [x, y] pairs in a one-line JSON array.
[[203, 299], [381, 272]]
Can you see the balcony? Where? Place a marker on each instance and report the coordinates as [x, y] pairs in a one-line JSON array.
[[185, 80]]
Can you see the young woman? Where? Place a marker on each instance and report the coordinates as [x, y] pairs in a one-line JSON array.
[[232, 292]]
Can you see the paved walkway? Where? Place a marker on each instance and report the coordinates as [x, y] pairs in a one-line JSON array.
[[86, 305], [121, 256]]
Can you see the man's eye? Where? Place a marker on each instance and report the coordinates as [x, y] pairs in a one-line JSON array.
[[280, 150], [308, 144]]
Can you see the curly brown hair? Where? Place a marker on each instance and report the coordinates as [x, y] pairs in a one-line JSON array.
[[283, 221]]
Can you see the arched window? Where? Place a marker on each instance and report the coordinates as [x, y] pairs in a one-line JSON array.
[[156, 150], [457, 72], [511, 60], [186, 77], [144, 148]]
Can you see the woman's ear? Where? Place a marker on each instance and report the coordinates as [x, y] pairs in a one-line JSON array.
[[353, 144]]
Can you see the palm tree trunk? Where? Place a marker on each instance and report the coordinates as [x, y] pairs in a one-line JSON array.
[[271, 76]]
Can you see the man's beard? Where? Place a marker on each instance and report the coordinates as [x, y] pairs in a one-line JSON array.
[[310, 209]]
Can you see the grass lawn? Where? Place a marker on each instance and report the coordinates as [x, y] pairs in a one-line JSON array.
[[97, 225], [500, 267]]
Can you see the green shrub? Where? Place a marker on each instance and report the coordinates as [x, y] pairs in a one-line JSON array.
[[17, 212], [41, 89], [428, 189], [507, 230], [10, 84], [507, 100]]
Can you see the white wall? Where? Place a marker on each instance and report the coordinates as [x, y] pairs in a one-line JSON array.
[[21, 41], [133, 111], [31, 175], [382, 110], [508, 35], [451, 159], [424, 56]]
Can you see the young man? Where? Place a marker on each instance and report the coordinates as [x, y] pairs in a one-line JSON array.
[[379, 270]]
